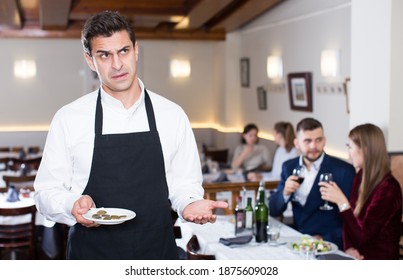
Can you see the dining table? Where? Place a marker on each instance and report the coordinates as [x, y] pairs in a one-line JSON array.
[[22, 202], [17, 155], [209, 239], [228, 184]]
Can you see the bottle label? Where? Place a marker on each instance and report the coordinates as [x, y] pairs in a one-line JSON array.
[[249, 220], [239, 217], [239, 220]]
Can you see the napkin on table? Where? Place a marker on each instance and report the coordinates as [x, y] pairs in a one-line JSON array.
[[243, 239]]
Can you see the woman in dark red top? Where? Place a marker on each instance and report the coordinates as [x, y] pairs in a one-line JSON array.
[[372, 217]]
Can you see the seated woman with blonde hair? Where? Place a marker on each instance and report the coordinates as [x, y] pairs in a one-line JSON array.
[[284, 136], [372, 216]]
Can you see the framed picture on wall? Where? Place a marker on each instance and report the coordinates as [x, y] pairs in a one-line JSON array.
[[245, 72], [261, 98], [300, 91]]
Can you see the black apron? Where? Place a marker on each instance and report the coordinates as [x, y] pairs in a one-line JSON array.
[[127, 172]]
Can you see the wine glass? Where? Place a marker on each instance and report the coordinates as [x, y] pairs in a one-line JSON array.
[[300, 173], [326, 177], [273, 233]]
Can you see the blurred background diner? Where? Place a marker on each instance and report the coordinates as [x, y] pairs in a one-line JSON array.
[[250, 155], [284, 137], [350, 48]]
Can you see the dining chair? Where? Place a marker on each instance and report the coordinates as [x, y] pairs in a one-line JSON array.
[[221, 155], [3, 164], [33, 149], [4, 149], [193, 250], [177, 229], [20, 182], [17, 164], [16, 149], [63, 234], [14, 237]]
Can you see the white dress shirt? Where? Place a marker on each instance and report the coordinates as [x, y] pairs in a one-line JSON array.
[[67, 157], [301, 194], [305, 188]]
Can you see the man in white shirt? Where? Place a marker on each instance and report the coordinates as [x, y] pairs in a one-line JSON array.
[[120, 147]]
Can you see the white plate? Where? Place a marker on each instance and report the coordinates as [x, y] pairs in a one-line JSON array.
[[110, 211], [333, 249]]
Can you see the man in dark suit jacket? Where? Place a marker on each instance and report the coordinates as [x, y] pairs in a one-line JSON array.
[[305, 197]]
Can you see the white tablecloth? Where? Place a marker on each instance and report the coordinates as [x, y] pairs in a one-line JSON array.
[[209, 235], [39, 219]]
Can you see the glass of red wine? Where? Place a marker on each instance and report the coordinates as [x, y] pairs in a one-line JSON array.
[[300, 173], [326, 177]]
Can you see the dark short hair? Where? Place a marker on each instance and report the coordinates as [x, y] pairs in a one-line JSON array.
[[248, 128], [104, 24], [308, 124]]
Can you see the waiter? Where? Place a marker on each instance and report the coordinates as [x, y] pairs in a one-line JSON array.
[[121, 146]]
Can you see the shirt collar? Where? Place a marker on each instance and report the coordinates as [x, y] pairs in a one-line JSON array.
[[110, 101], [316, 164]]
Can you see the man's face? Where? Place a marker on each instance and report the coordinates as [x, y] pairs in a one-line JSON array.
[[310, 143], [114, 58]]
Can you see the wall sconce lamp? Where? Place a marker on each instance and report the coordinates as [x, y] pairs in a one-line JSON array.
[[330, 63], [180, 68], [24, 69], [274, 67]]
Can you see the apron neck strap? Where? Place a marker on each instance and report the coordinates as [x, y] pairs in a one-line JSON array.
[[99, 113], [150, 112]]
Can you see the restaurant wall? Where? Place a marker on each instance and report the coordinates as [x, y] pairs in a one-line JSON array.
[[377, 67], [395, 140], [59, 80], [298, 31], [199, 94], [27, 106]]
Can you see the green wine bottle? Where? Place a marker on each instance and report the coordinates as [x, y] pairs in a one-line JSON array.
[[261, 218]]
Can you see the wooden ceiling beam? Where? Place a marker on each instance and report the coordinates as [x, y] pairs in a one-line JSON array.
[[158, 19], [54, 15], [74, 32], [204, 11], [10, 17], [250, 10], [82, 8], [177, 34]]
